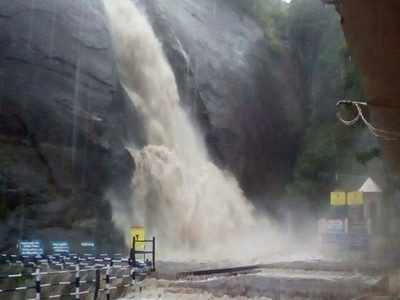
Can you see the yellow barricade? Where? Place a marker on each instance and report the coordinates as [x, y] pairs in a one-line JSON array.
[[137, 232], [355, 198], [338, 198]]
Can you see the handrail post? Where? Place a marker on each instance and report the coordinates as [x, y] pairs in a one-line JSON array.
[[77, 281], [108, 282], [37, 284], [62, 262], [154, 254], [133, 275], [134, 251], [97, 284]]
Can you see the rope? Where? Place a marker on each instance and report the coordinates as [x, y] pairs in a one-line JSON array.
[[386, 135]]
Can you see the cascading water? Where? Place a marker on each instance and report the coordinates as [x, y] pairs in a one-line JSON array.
[[179, 194]]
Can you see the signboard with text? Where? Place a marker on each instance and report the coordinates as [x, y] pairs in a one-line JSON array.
[[30, 248], [345, 241], [88, 247], [355, 198], [60, 247], [339, 240], [338, 198], [335, 226], [358, 241], [137, 232]]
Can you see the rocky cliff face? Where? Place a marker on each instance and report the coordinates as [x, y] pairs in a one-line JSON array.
[[65, 121], [63, 118], [240, 89]]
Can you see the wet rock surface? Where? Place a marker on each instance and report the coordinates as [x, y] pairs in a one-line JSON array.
[[237, 87], [63, 119]]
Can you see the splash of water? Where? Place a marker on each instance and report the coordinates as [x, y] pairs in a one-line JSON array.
[[179, 194]]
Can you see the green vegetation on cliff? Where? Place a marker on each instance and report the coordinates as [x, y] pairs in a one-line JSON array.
[[271, 15], [324, 74], [327, 75]]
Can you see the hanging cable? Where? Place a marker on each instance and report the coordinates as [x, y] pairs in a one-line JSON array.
[[387, 135]]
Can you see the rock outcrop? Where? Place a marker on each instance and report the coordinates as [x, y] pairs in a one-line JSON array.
[[241, 91], [63, 119]]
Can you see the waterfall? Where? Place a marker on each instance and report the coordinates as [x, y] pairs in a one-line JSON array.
[[179, 194]]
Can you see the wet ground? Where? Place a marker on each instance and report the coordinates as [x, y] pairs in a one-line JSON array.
[[314, 279]]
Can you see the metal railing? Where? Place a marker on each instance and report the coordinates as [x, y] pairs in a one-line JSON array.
[[100, 283], [142, 251], [82, 275]]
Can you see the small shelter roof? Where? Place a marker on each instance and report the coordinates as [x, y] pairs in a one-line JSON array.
[[370, 186]]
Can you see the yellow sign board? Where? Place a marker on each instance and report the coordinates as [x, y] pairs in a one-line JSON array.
[[338, 198], [137, 232], [355, 198]]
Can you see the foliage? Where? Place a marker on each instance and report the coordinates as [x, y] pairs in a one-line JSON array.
[[365, 156], [315, 168], [326, 74], [271, 15], [351, 83], [4, 209]]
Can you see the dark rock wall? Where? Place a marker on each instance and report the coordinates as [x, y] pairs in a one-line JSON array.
[[239, 89], [65, 120], [63, 117]]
